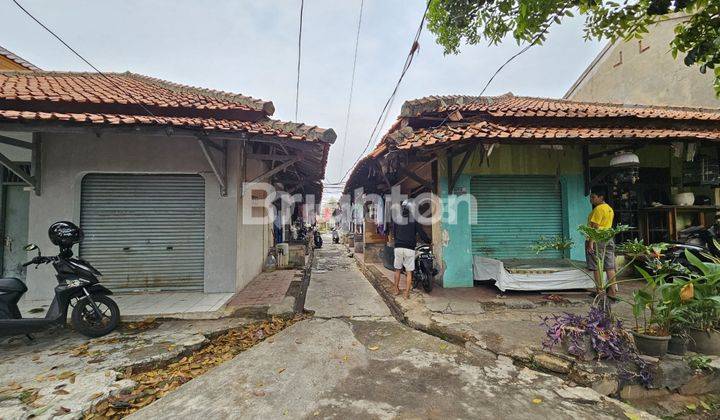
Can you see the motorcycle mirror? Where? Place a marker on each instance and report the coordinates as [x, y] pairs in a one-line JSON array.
[[30, 247]]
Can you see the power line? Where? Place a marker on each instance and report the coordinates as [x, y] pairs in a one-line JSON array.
[[352, 85], [297, 84], [83, 58], [502, 66], [386, 108]]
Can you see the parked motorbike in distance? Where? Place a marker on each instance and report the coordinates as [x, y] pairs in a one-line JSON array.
[[425, 271], [698, 240], [94, 313], [317, 238], [335, 236]]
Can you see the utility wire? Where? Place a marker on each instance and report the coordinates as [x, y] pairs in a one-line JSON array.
[[83, 58], [502, 66], [352, 85], [408, 61], [297, 84]]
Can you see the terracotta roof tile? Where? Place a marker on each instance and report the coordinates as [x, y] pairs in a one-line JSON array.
[[509, 105], [94, 98]]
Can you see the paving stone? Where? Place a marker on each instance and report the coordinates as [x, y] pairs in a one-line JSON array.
[[553, 363], [606, 386], [671, 374], [639, 392], [286, 307], [519, 304], [702, 383]]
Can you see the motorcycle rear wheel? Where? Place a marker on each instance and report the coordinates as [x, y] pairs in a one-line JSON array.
[[85, 321]]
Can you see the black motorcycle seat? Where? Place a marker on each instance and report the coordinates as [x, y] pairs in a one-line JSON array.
[[12, 284]]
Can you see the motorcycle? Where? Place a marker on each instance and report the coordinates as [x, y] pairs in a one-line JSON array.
[[425, 270], [317, 239], [335, 236], [698, 240], [94, 313]]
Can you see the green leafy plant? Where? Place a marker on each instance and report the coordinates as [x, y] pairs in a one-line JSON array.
[[556, 243], [528, 21], [699, 362], [656, 300]]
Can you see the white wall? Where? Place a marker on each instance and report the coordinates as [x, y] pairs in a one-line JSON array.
[[253, 241], [66, 158]]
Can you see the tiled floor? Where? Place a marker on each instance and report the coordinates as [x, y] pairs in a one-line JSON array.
[[266, 289], [153, 304]]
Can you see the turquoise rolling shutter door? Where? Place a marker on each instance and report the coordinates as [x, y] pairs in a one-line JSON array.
[[513, 211]]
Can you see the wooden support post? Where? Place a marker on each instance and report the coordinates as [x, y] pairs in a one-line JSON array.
[[14, 168], [416, 178], [219, 173], [15, 142], [36, 161], [586, 168], [461, 168]]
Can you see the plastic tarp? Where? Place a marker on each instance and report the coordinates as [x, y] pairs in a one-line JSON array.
[[557, 279]]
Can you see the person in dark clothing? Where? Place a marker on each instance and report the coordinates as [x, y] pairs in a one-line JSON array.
[[405, 241]]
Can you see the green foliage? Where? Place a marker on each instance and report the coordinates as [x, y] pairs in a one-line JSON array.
[[556, 243], [702, 309], [699, 362], [471, 21], [602, 235]]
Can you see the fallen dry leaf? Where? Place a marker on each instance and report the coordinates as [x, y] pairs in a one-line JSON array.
[[66, 375], [373, 348], [154, 384]]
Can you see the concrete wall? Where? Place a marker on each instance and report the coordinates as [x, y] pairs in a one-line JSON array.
[[253, 241], [66, 159], [644, 72]]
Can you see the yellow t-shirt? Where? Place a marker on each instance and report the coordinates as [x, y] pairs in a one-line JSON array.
[[602, 215]]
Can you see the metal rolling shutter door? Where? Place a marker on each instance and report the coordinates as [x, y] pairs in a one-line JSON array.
[[145, 232], [513, 212]]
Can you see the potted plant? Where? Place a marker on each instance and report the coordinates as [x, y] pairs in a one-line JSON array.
[[699, 312], [599, 334], [653, 335]]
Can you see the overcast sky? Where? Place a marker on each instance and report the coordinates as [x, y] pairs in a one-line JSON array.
[[250, 47]]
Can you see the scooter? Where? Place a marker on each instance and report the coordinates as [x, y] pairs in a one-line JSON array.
[[94, 314], [698, 240], [335, 236], [425, 270], [317, 239]]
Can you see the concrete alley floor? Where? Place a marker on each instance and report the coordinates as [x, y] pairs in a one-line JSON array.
[[338, 288], [67, 373], [355, 360]]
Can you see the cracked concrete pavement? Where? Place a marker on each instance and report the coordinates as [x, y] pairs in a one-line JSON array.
[[356, 360], [70, 371], [338, 288]]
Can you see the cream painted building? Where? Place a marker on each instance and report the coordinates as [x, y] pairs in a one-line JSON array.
[[645, 72]]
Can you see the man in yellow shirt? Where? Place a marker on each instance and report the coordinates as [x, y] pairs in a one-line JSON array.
[[601, 217]]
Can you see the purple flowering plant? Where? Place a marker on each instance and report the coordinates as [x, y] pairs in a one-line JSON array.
[[606, 338]]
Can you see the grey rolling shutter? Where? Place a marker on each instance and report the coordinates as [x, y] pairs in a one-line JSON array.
[[145, 232], [513, 212]]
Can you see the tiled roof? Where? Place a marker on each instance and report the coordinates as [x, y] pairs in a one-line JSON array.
[[114, 99], [490, 130], [120, 89], [522, 106], [18, 60], [441, 121]]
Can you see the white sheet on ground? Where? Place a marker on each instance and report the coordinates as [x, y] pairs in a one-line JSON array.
[[491, 269]]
